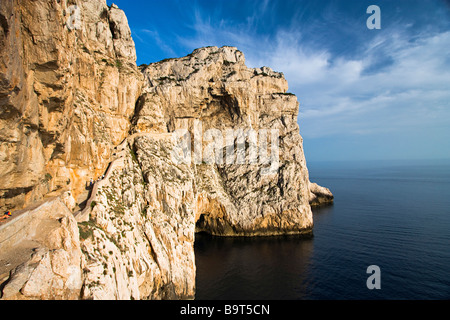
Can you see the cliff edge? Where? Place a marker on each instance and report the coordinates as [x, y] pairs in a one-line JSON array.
[[194, 144]]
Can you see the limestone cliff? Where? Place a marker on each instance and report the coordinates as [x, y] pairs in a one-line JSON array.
[[67, 93], [213, 89], [74, 105]]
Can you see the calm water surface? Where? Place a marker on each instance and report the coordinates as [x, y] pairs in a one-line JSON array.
[[395, 215]]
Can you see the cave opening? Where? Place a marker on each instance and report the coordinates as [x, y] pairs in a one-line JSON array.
[[202, 224]]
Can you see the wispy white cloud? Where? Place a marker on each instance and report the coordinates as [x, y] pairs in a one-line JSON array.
[[395, 81], [207, 31], [335, 91]]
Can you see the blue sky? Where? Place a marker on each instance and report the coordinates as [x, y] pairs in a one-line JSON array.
[[364, 94]]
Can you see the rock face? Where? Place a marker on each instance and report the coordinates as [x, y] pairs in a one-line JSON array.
[[320, 195], [68, 88], [138, 241], [200, 143], [212, 90], [46, 239]]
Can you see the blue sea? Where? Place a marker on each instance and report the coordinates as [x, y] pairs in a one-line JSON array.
[[391, 214]]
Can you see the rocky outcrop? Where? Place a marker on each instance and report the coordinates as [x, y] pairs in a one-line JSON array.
[[320, 196], [212, 90], [199, 143]]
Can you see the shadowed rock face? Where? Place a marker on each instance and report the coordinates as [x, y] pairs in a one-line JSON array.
[[74, 103]]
